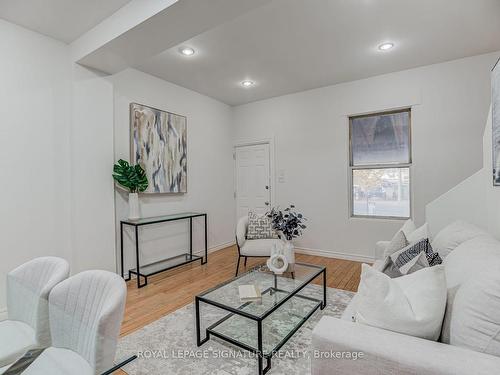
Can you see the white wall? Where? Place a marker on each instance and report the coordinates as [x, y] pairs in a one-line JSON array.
[[449, 105], [56, 157], [210, 166], [34, 157], [92, 187]]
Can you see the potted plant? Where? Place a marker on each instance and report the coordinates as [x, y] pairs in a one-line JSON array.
[[289, 224], [133, 178]]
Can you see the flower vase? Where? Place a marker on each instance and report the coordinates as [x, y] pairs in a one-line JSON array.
[[289, 253], [133, 206]]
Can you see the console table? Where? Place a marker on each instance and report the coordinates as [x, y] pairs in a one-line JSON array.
[[164, 264]]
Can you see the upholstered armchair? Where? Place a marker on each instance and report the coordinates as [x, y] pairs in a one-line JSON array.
[[251, 248], [86, 313], [27, 326]]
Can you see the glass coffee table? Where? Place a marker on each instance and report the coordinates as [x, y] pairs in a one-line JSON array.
[[262, 327]]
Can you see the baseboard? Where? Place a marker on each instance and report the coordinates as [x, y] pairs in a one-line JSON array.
[[215, 248], [335, 254], [3, 314]]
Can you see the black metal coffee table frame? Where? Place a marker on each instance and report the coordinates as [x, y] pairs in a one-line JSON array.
[[259, 319]]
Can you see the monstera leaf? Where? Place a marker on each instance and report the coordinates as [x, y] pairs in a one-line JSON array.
[[131, 177]]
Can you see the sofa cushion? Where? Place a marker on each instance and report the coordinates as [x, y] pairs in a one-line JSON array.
[[475, 323], [466, 264], [411, 304], [453, 235]]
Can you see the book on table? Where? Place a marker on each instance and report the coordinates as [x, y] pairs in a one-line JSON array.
[[250, 293]]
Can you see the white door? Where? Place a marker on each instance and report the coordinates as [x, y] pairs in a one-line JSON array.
[[253, 182]]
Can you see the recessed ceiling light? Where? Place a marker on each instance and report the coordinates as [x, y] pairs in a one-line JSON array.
[[247, 83], [385, 46], [187, 51]]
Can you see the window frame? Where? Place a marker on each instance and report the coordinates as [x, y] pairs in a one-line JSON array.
[[393, 165]]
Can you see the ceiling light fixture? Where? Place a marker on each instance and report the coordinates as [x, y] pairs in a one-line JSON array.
[[385, 46], [247, 83], [187, 51]]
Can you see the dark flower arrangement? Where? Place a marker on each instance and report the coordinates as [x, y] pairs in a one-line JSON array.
[[288, 222]]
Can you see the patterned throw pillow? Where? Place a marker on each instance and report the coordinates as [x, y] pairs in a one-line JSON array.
[[414, 265], [259, 227], [414, 250]]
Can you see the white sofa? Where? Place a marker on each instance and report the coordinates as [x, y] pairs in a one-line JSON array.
[[470, 337]]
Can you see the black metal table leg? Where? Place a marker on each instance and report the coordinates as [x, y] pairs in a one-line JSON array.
[[260, 353], [137, 256], [191, 237], [120, 365], [206, 241], [268, 365], [323, 305], [121, 249], [199, 341]]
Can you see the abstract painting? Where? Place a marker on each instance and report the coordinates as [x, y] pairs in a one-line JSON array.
[[159, 145], [495, 102]]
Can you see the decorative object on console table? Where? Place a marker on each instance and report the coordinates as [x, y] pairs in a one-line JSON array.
[[495, 105], [159, 142], [133, 178], [289, 224]]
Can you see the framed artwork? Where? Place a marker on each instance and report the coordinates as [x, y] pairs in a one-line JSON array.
[[159, 145], [495, 105]]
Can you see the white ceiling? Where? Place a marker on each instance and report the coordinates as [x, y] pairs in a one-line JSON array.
[[285, 46], [293, 45], [64, 20]]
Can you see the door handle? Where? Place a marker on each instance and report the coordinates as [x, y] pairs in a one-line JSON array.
[[266, 203]]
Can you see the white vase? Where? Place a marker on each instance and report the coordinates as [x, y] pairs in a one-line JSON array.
[[289, 253], [133, 206]]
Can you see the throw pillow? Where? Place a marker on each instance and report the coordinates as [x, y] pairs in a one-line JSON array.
[[412, 304], [475, 323], [404, 256], [259, 227], [390, 269], [453, 235], [408, 227], [418, 234], [417, 263], [398, 242]]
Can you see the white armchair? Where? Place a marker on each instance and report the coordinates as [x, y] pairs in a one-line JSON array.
[[251, 248], [85, 312], [27, 326]]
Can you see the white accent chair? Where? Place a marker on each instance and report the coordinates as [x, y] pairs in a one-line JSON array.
[[251, 248], [85, 312], [27, 326]]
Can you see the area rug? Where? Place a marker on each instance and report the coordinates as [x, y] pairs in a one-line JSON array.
[[168, 345]]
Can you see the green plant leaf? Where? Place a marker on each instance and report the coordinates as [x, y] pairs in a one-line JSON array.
[[132, 177]]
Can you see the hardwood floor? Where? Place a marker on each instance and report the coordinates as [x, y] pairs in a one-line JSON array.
[[171, 290]]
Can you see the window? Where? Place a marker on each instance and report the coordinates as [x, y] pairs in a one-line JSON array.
[[380, 160]]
